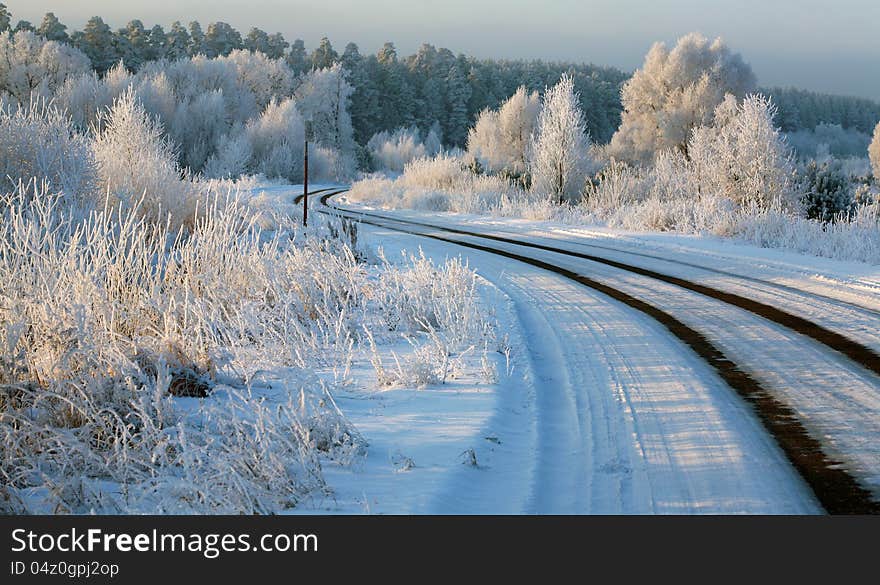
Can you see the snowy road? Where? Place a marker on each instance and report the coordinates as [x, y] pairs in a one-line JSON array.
[[637, 422]]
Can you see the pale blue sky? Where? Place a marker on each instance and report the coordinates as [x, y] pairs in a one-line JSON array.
[[827, 45]]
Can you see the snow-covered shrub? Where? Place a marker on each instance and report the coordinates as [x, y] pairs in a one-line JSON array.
[[38, 142], [616, 185], [559, 149], [827, 193], [136, 163], [84, 97], [123, 316], [392, 151], [674, 92]]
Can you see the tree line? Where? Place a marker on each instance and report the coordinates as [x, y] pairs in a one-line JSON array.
[[434, 85]]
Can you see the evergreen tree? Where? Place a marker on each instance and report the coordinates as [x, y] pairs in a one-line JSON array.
[[296, 58], [457, 95], [98, 43], [5, 18], [221, 39], [257, 40], [196, 39], [177, 42], [276, 46], [52, 29], [324, 56], [137, 48]]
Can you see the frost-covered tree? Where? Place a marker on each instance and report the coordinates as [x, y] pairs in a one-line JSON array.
[[674, 92], [874, 153], [84, 97], [276, 139], [743, 156], [323, 96], [52, 30], [136, 163], [31, 65], [559, 157], [500, 139]]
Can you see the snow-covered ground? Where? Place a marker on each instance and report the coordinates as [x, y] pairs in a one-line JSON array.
[[624, 418], [603, 413]]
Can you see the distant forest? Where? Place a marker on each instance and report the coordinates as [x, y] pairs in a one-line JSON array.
[[432, 86]]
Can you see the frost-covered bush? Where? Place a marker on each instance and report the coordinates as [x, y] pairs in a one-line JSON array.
[[125, 320], [83, 98], [38, 142], [392, 151], [827, 191], [137, 165], [124, 315]]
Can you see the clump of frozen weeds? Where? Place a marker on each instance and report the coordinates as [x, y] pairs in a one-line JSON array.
[[148, 369]]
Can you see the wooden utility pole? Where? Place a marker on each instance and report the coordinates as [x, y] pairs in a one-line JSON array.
[[308, 132]]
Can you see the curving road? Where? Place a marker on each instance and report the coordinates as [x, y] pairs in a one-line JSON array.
[[668, 384]]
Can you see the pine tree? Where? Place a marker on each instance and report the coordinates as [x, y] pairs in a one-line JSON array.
[[177, 42], [52, 30], [97, 42], [296, 58], [324, 56], [221, 39], [457, 95], [157, 44], [5, 18], [257, 40], [276, 46], [196, 39]]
